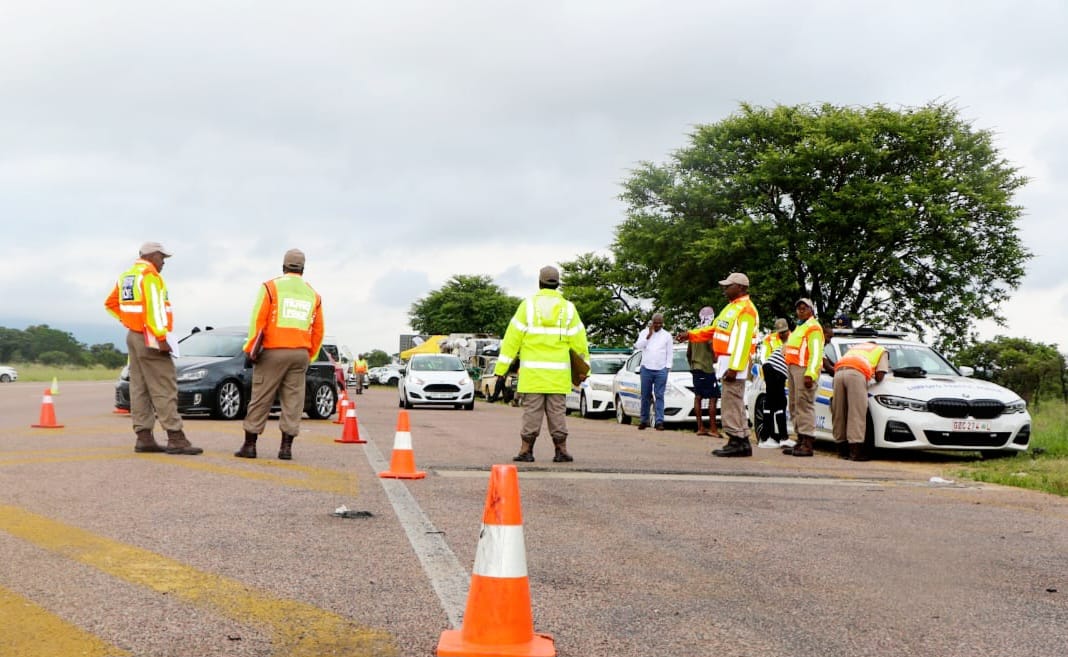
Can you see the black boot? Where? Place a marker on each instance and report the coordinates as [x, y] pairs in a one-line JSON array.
[[177, 443], [526, 453], [857, 452], [736, 446], [843, 450], [285, 451], [248, 450]]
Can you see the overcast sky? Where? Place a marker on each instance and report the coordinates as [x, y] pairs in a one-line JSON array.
[[401, 143]]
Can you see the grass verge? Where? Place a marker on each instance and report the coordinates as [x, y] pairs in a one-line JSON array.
[[45, 373], [1043, 467]]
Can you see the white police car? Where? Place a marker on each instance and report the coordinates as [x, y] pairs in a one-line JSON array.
[[594, 395], [924, 403], [678, 393]]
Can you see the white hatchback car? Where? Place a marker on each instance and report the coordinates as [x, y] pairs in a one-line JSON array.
[[678, 394], [439, 379], [594, 395], [8, 374], [924, 403]]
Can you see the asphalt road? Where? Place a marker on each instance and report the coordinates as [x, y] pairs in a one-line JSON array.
[[644, 546]]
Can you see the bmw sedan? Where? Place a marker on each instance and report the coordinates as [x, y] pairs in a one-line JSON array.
[[438, 379], [214, 380], [924, 403]]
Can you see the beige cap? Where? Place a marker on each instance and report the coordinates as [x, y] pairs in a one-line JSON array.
[[737, 278], [549, 275], [154, 247], [781, 325], [293, 260], [807, 302]]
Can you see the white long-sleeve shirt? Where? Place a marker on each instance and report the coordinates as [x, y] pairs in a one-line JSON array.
[[656, 350]]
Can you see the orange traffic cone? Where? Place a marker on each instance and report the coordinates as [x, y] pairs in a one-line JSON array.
[[342, 406], [402, 463], [498, 619], [350, 433], [48, 413], [120, 411]]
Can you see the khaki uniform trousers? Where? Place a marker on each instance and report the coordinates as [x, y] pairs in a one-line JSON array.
[[849, 406], [281, 373], [549, 405], [732, 408], [802, 402], [153, 386]]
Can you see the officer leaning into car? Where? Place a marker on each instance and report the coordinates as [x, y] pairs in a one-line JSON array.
[[139, 300], [285, 334], [853, 373]]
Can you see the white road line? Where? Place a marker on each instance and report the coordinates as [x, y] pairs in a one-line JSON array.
[[449, 579]]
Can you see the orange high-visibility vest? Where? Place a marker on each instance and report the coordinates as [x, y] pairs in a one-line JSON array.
[[732, 333], [289, 314], [139, 300], [862, 357], [804, 347]]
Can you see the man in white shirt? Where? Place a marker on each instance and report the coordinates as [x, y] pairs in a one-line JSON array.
[[655, 343]]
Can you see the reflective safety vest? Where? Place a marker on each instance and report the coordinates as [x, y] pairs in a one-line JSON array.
[[360, 367], [732, 333], [863, 357], [768, 345], [544, 330], [139, 300], [289, 314], [804, 347]]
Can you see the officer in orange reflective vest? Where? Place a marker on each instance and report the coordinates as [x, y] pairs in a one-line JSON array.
[[139, 300], [803, 352], [853, 372]]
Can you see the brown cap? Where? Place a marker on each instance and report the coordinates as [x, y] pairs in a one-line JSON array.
[[737, 278], [293, 260], [549, 275], [807, 302], [781, 325], [154, 247]]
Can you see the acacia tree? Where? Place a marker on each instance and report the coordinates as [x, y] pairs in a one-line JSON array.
[[898, 218], [465, 304], [604, 296]]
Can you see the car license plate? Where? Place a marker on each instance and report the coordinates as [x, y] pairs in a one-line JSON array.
[[439, 395], [970, 425]]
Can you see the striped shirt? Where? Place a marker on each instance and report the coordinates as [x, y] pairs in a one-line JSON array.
[[778, 362]]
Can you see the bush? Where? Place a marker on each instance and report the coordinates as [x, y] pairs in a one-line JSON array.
[[54, 358]]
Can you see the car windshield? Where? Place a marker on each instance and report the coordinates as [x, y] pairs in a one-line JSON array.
[[917, 355], [606, 365], [213, 345], [437, 364], [680, 362]]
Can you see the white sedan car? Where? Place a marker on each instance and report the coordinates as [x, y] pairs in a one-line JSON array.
[[678, 394], [924, 403], [438, 379], [8, 374], [594, 395]]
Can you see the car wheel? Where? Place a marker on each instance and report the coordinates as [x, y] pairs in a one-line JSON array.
[[584, 409], [4, 378], [508, 395], [758, 416], [323, 402], [407, 402], [229, 400], [621, 415], [392, 381], [400, 402], [470, 406]]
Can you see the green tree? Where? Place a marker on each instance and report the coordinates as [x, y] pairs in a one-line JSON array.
[[107, 355], [901, 218], [465, 304], [42, 339], [14, 345], [604, 296], [376, 358], [1032, 369]]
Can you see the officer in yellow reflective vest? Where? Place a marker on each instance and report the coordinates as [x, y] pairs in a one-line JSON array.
[[803, 352], [359, 369], [545, 329], [139, 300], [862, 364]]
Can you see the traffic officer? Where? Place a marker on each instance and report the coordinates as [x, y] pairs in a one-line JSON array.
[[284, 335], [732, 335], [775, 370], [139, 300], [548, 331], [853, 372], [359, 368], [803, 352]]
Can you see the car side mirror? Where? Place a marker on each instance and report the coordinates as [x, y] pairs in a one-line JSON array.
[[966, 371]]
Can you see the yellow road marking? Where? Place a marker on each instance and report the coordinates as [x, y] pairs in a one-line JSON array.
[[32, 631], [298, 629]]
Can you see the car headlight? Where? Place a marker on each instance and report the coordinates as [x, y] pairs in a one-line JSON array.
[[1018, 406], [192, 375], [603, 387], [464, 381], [675, 389], [416, 380], [901, 403]]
